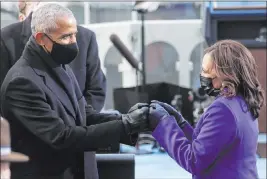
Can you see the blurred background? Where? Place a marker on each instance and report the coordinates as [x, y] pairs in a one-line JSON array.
[[172, 37]]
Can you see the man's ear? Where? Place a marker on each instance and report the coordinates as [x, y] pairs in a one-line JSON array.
[[39, 37], [21, 17]]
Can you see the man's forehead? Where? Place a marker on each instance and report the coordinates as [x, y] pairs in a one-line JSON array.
[[66, 21], [21, 3], [66, 27]]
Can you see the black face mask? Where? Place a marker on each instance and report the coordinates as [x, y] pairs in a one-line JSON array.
[[206, 84], [63, 54]]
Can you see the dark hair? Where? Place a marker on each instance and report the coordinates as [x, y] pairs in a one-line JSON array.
[[235, 64]]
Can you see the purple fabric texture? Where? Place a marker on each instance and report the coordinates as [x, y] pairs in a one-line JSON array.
[[222, 146]]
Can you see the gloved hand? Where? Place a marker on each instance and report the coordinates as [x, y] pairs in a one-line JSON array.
[[179, 118], [135, 120], [156, 114]]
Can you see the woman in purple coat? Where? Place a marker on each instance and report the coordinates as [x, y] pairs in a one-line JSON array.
[[223, 145]]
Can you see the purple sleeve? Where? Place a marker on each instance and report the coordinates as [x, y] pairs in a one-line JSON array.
[[217, 132], [188, 131]]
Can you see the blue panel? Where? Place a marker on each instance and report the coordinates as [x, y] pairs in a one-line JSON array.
[[231, 12], [240, 3]]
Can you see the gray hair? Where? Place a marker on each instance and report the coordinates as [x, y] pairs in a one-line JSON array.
[[44, 18]]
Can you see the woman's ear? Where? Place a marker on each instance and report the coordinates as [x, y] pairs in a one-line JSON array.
[[228, 89]]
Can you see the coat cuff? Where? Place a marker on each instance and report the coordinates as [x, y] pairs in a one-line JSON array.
[[166, 124], [188, 131]]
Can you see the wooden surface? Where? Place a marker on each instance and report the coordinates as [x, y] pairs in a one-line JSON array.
[[260, 57], [261, 150]]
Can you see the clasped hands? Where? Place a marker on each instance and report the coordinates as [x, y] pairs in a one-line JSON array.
[[143, 117]]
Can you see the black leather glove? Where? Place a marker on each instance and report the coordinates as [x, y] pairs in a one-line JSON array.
[[156, 114], [136, 120], [179, 118]]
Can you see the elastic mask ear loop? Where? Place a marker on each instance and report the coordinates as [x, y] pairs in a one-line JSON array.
[[46, 49], [51, 41], [214, 90], [50, 38]]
